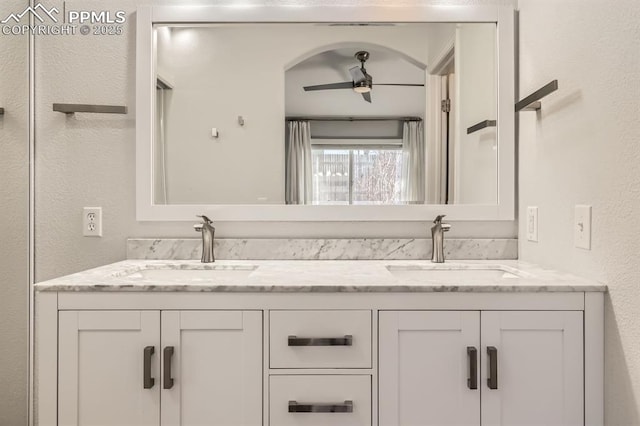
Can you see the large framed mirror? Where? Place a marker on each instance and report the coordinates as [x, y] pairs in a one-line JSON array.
[[325, 113]]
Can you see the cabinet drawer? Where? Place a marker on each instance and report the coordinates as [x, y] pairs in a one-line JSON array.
[[310, 400], [320, 339]]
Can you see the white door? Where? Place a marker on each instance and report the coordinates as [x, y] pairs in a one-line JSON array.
[[425, 363], [214, 359], [537, 368], [109, 369]]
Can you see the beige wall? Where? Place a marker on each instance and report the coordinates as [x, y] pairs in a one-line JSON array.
[[584, 148], [14, 222]]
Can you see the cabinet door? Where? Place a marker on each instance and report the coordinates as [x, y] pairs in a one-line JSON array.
[[101, 377], [424, 368], [216, 368], [539, 367]]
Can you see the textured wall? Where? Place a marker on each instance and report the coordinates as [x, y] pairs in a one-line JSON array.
[[14, 222], [584, 149], [90, 160]]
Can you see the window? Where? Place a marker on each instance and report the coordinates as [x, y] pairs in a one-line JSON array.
[[356, 174]]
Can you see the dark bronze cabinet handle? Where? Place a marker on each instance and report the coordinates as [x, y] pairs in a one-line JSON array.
[[346, 407], [492, 380], [147, 380], [472, 380], [347, 340], [168, 380]]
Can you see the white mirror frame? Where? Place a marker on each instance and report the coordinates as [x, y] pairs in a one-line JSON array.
[[146, 210]]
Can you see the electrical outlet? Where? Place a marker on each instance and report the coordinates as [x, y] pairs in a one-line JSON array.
[[92, 222], [582, 227], [532, 224]]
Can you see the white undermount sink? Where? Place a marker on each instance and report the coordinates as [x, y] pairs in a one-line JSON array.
[[454, 273], [193, 273]]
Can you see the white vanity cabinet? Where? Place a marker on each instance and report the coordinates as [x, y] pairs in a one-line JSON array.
[[322, 400], [102, 357], [320, 339], [481, 367], [424, 368], [279, 358], [160, 368], [327, 354]]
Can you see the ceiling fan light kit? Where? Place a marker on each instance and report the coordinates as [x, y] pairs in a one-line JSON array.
[[361, 82], [364, 88]]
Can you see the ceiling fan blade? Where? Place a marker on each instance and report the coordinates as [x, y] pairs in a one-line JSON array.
[[367, 96], [344, 85], [357, 74], [398, 84]]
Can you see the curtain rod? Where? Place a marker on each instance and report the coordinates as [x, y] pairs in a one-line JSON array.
[[356, 118]]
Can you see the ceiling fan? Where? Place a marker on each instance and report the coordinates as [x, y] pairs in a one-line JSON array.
[[362, 82]]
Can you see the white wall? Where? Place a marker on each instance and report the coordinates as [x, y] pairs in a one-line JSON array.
[[442, 39], [584, 148], [89, 160], [476, 155], [14, 222]]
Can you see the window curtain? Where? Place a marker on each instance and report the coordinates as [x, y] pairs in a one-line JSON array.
[[298, 163], [413, 162]]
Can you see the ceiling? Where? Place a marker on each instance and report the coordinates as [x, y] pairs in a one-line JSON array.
[[385, 65]]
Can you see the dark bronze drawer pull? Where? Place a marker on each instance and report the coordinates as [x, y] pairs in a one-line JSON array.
[[346, 407], [167, 355], [347, 340], [147, 380], [492, 380], [472, 381]]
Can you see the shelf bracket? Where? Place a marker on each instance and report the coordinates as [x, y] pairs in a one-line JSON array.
[[93, 109], [532, 102], [481, 125]]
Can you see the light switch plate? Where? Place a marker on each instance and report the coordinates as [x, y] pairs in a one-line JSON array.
[[532, 224], [582, 227]]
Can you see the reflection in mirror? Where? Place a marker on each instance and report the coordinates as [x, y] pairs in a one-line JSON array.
[[325, 114]]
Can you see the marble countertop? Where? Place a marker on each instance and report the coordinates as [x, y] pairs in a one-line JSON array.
[[327, 276]]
